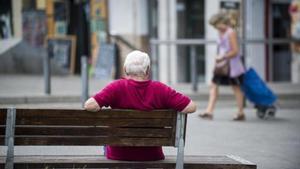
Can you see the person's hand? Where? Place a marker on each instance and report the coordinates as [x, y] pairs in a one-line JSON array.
[[220, 59], [91, 105]]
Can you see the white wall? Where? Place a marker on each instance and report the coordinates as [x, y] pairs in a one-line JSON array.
[[173, 48], [211, 8], [128, 17], [6, 44], [167, 61], [17, 18], [255, 53]]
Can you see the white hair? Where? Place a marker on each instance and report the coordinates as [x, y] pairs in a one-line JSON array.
[[137, 63]]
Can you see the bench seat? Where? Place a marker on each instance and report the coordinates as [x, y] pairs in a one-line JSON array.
[[190, 162]]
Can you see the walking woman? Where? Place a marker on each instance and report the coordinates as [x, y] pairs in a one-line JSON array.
[[228, 66]]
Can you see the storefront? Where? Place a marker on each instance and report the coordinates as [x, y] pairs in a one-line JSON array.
[[269, 19], [35, 22], [82, 20], [266, 33], [6, 25]]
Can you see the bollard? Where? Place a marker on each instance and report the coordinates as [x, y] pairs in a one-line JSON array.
[[47, 74], [154, 61], [84, 80], [194, 68]]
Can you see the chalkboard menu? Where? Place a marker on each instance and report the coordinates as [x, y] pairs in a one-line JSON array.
[[62, 51], [106, 60]]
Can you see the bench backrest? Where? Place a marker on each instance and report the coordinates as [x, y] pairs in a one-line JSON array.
[[106, 127]]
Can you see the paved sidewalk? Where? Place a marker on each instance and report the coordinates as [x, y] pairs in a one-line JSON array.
[[22, 89], [19, 89]]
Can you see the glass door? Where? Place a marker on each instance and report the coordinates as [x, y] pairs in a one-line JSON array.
[[281, 59], [190, 25]]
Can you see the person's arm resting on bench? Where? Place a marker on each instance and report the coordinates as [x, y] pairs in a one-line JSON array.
[[91, 105], [190, 108]]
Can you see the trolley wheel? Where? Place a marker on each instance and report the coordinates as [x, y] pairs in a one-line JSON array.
[[270, 112], [261, 114]]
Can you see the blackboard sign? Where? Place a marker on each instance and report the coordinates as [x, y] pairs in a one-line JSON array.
[[62, 51], [106, 60]]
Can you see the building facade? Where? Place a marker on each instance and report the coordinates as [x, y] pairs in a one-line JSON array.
[[189, 20], [136, 22]]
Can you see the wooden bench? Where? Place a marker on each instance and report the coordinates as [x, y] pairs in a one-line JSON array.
[[106, 127]]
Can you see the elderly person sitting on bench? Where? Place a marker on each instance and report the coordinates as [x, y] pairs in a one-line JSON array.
[[137, 91]]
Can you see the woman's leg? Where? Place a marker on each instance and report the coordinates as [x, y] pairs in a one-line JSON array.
[[213, 95], [239, 99]]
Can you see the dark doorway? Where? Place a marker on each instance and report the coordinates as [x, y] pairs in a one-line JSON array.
[[79, 26], [6, 30], [281, 52], [190, 24]]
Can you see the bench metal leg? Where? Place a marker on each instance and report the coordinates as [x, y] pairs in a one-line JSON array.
[[180, 141], [9, 137], [180, 155]]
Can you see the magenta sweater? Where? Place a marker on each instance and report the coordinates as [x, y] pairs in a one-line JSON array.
[[147, 96]]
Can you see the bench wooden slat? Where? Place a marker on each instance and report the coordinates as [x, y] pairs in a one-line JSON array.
[[191, 162], [93, 131], [103, 113], [94, 122], [89, 140]]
